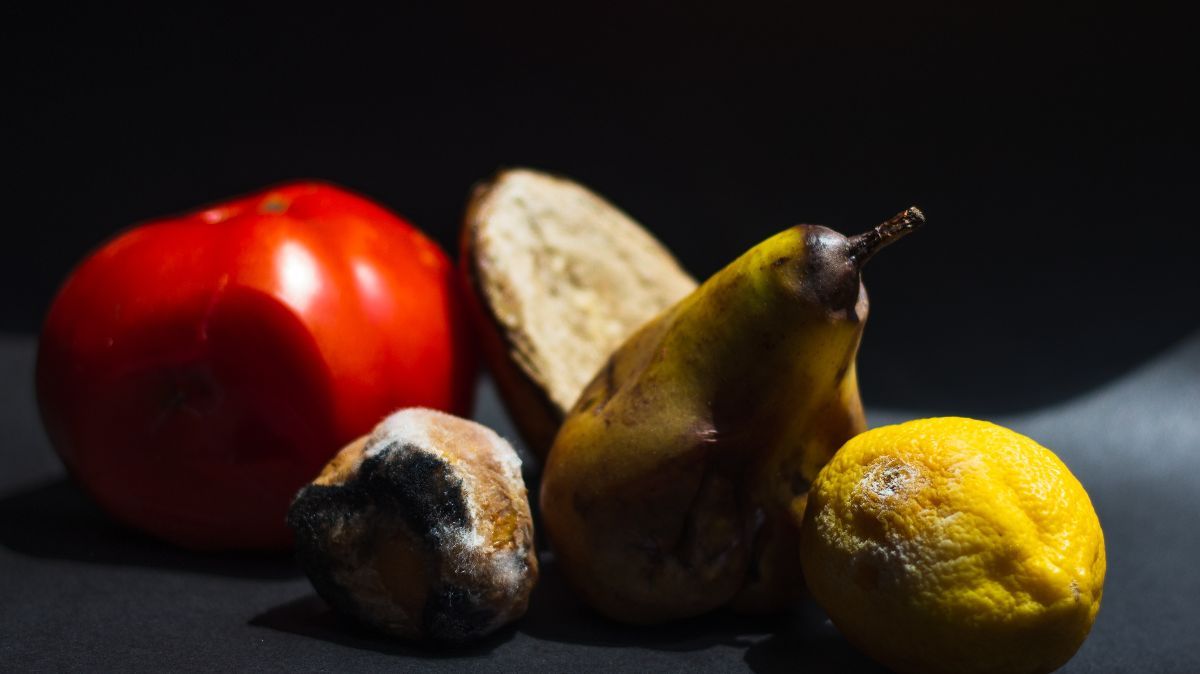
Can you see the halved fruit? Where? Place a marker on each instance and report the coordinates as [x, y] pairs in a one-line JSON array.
[[558, 278]]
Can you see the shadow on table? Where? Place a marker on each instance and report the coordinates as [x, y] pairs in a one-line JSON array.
[[58, 521], [310, 616], [556, 614], [807, 641], [772, 644]]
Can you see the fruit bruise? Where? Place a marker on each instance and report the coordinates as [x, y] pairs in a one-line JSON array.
[[677, 482]]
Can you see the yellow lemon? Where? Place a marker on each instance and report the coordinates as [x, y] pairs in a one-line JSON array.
[[954, 545]]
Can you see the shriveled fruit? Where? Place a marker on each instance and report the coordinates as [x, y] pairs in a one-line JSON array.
[[421, 529], [676, 484], [954, 545]]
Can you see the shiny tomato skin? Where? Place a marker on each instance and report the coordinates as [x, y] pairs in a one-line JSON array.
[[194, 372]]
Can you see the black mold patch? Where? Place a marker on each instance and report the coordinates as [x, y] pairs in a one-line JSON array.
[[417, 486], [456, 614], [399, 485]]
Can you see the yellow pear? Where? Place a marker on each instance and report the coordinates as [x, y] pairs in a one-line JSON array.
[[677, 482]]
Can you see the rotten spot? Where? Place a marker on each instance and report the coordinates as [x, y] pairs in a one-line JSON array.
[[397, 490], [889, 478]]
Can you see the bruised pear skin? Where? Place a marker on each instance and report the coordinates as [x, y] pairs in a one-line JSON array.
[[677, 482]]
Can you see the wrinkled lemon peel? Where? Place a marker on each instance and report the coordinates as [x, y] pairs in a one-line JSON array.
[[954, 545]]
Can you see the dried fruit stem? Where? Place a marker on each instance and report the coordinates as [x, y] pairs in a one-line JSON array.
[[863, 246]]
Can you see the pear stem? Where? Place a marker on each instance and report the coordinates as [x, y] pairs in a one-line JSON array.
[[863, 246]]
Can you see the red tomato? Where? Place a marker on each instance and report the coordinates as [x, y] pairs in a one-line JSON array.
[[196, 371]]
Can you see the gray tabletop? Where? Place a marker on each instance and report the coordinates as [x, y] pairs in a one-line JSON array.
[[80, 593]]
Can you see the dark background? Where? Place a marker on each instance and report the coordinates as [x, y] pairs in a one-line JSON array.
[[1054, 289], [1046, 145]]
